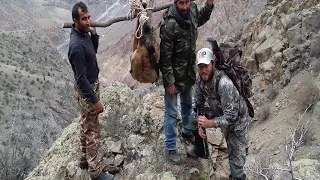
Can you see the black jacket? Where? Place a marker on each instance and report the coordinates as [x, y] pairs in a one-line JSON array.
[[82, 57]]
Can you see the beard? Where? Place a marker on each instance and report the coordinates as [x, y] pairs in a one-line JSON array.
[[84, 28], [206, 77]]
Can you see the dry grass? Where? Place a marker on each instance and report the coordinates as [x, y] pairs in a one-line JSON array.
[[316, 66], [305, 96]]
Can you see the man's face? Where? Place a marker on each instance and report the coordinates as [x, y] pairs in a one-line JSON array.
[[206, 71], [83, 23], [183, 6]]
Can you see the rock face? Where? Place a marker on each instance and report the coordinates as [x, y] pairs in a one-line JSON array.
[[278, 41], [132, 143]]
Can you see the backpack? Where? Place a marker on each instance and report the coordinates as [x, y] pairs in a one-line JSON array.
[[228, 60]]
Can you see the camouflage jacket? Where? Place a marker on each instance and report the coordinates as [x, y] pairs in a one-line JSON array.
[[222, 102], [178, 45]]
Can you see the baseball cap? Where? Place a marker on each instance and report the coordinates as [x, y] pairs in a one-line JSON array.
[[204, 56]]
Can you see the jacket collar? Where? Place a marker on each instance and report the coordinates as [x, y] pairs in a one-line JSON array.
[[79, 33]]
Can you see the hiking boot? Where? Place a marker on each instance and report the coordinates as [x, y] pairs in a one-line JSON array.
[[173, 156], [230, 178], [104, 176], [188, 137]]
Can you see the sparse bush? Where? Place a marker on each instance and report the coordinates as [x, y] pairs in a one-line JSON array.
[[264, 113], [316, 67], [262, 169], [305, 96], [28, 94], [271, 93], [32, 82]]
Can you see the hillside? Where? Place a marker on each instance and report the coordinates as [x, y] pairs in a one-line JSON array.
[[281, 42]]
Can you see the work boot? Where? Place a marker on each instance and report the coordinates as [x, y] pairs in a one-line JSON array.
[[173, 156], [104, 176], [230, 178], [188, 137]]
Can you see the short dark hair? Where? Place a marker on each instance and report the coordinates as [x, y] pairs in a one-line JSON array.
[[78, 5]]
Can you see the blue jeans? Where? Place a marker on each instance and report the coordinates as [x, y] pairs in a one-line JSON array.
[[170, 116]]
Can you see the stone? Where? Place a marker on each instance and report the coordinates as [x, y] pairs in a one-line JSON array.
[[310, 19], [133, 140], [214, 136], [109, 161], [315, 47], [262, 36], [116, 147], [307, 168], [289, 20], [276, 152], [194, 171], [166, 176], [271, 44], [278, 47], [267, 66], [145, 176], [118, 160], [291, 54]]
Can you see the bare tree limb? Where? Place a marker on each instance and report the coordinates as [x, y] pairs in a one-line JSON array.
[[119, 19], [295, 140]]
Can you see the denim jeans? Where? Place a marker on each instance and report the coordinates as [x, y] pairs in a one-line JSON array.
[[170, 116]]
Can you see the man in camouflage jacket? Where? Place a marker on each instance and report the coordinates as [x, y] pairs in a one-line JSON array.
[[178, 35], [223, 108]]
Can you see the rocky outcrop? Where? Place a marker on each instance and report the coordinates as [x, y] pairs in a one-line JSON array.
[[132, 143], [278, 42]]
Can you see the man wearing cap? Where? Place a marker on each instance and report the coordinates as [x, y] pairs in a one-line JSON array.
[[224, 108], [178, 34]]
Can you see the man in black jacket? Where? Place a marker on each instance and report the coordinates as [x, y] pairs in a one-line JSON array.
[[82, 56]]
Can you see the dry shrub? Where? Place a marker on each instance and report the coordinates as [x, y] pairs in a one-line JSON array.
[[316, 66], [272, 93], [305, 95], [263, 113]]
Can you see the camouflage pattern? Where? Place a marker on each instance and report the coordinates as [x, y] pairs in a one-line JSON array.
[[221, 101], [89, 131], [178, 45]]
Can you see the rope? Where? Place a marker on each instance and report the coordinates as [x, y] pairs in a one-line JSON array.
[[137, 10]]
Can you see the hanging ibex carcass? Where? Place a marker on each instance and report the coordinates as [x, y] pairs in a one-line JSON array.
[[145, 56]]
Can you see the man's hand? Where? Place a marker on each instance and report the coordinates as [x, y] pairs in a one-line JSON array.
[[93, 30], [204, 122], [210, 3], [98, 107], [171, 89], [201, 133]]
